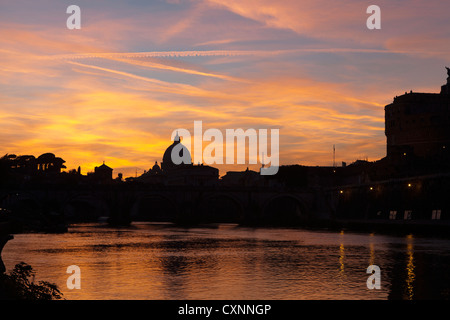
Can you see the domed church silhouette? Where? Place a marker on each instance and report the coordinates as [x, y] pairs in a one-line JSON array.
[[184, 154]]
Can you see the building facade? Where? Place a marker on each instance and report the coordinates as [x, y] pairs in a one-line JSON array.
[[418, 124]]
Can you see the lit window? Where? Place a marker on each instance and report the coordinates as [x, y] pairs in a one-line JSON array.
[[392, 215], [436, 215], [407, 215]]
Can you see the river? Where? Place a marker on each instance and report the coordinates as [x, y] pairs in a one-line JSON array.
[[161, 261]]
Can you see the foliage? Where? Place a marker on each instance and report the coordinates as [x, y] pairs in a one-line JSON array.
[[19, 285]]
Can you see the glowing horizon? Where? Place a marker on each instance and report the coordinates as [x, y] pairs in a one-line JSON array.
[[115, 90]]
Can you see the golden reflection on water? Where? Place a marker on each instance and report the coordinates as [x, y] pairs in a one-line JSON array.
[[371, 250], [410, 274], [342, 255], [152, 262]]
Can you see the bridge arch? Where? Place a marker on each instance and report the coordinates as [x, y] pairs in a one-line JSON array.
[[221, 207], [21, 203], [84, 207], [32, 210], [155, 207], [284, 208]]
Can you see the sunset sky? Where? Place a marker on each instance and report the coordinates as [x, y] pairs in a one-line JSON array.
[[115, 90]]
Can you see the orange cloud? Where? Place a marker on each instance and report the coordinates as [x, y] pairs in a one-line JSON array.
[[93, 97]]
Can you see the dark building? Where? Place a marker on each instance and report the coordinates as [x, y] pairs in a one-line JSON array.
[[241, 178], [412, 181], [419, 124], [167, 162], [194, 175], [185, 173], [103, 173], [247, 178]]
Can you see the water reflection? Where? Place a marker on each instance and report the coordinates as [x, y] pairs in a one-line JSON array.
[[371, 250], [164, 262], [410, 276], [341, 255]]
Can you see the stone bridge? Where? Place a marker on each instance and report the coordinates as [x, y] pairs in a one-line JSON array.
[[127, 202]]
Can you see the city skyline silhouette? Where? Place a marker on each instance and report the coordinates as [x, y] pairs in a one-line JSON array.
[[112, 93], [224, 149]]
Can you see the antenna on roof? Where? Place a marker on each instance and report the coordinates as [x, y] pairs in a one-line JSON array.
[[334, 156]]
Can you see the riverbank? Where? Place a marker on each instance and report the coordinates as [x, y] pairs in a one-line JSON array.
[[426, 228], [418, 228]]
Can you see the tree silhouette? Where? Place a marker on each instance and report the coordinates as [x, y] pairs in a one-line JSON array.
[[20, 285]]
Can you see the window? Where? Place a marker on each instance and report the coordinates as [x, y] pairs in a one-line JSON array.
[[392, 215], [407, 215], [436, 215]]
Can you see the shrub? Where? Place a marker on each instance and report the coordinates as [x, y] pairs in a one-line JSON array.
[[19, 285]]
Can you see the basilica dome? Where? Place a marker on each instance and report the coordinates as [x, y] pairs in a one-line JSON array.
[[156, 168], [167, 162]]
